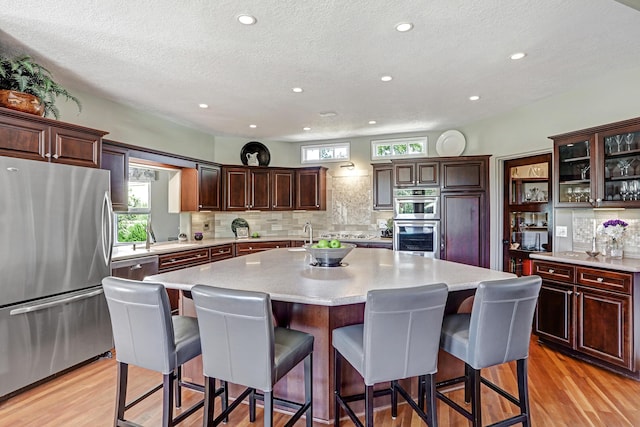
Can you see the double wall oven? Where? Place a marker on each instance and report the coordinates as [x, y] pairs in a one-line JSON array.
[[416, 221]]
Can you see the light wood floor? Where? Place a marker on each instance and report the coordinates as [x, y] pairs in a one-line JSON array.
[[563, 392]]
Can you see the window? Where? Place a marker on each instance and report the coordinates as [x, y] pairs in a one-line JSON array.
[[398, 148], [132, 225], [325, 152]]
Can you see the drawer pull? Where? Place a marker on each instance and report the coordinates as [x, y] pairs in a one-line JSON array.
[[221, 251], [172, 260], [136, 267], [600, 280], [551, 271], [277, 247], [199, 255]]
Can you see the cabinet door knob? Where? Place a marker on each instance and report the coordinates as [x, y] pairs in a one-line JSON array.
[[47, 155], [55, 156], [569, 292], [199, 206], [577, 294]]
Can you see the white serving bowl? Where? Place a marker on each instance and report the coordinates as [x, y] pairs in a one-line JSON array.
[[329, 257]]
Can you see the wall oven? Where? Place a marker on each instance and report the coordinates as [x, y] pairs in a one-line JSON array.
[[416, 225]]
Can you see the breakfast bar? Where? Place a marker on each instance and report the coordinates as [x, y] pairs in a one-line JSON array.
[[319, 299]]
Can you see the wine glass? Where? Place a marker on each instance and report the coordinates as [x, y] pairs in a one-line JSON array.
[[628, 140], [624, 190], [609, 141], [633, 190], [583, 172], [619, 139], [624, 166], [570, 194], [586, 144]]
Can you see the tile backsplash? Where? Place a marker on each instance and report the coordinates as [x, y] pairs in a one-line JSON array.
[[349, 209], [584, 221]]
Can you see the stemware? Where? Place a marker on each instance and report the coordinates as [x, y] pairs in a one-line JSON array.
[[619, 139], [586, 144], [628, 140], [583, 172], [609, 141], [570, 194], [624, 190], [624, 166], [633, 190]]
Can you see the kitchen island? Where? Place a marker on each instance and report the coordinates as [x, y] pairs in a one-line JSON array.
[[320, 299]]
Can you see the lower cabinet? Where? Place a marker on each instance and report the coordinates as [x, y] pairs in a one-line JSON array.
[[587, 311], [246, 248]]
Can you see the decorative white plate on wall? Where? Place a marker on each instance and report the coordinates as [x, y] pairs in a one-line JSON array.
[[450, 143]]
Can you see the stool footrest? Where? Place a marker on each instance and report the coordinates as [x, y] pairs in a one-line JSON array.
[[142, 397], [500, 391]]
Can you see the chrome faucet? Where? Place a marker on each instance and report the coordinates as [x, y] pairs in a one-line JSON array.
[[307, 227], [150, 234]]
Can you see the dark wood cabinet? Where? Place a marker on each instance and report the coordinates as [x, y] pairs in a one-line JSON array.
[[465, 225], [588, 311], [116, 160], [383, 186], [282, 189], [200, 188], [310, 188], [220, 252], [246, 248], [247, 188], [598, 167], [182, 259], [463, 174], [32, 137], [412, 173]]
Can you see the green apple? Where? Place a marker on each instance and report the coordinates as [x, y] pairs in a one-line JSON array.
[[335, 243], [314, 246], [322, 243], [255, 234]]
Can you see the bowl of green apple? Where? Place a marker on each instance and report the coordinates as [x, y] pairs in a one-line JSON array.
[[329, 253]]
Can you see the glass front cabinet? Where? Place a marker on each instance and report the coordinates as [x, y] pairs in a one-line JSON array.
[[598, 167]]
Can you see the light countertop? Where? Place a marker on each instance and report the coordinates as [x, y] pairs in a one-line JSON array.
[[287, 275], [126, 251], [631, 265]]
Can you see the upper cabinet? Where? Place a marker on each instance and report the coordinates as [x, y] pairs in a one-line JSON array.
[[282, 185], [598, 167], [415, 173], [247, 188], [36, 138], [311, 189], [464, 174], [383, 186], [116, 160], [200, 188]]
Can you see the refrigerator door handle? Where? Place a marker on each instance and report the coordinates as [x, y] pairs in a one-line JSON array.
[[45, 305], [107, 228]]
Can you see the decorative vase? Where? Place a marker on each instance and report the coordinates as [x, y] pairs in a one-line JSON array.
[[21, 101], [616, 248]]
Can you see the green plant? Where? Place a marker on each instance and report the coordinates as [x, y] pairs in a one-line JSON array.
[[23, 75]]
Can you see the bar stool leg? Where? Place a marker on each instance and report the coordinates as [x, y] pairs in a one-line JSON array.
[[523, 390], [268, 408], [121, 392], [209, 400], [167, 399], [394, 399], [308, 388], [337, 379], [430, 388], [368, 405], [476, 411], [252, 406], [177, 388], [421, 392]]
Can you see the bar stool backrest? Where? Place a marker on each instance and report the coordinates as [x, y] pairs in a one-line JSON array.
[[402, 332], [501, 319], [239, 343], [141, 321]]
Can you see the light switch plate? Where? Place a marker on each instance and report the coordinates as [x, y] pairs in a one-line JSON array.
[[561, 231], [205, 226], [382, 224]]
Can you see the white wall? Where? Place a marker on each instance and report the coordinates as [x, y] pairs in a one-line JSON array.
[[131, 126]]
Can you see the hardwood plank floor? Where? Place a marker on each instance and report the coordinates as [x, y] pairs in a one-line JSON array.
[[563, 392]]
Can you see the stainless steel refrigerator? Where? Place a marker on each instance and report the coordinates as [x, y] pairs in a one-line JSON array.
[[55, 248]]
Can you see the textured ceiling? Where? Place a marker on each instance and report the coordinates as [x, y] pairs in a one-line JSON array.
[[165, 57]]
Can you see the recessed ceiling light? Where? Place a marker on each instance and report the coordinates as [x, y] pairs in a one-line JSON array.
[[372, 122], [253, 126], [247, 19], [297, 90], [386, 78], [404, 26], [474, 98], [518, 55], [328, 114], [203, 105], [306, 128]]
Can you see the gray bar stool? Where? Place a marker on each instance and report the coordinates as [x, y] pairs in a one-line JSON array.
[[398, 339], [146, 335], [497, 331], [241, 345]]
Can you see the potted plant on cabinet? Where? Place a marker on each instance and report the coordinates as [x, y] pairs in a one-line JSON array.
[[27, 86]]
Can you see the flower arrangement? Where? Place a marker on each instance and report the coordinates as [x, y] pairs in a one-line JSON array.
[[613, 228]]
